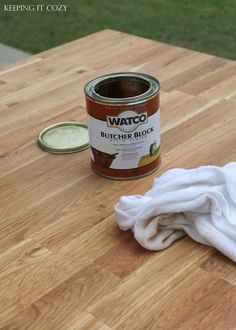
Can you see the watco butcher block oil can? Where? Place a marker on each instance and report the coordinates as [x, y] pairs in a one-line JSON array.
[[124, 124]]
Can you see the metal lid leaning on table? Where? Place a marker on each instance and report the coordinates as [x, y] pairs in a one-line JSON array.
[[65, 137]]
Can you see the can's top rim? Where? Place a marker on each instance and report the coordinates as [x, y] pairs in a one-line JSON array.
[[154, 87]]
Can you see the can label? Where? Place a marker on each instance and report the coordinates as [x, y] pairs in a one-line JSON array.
[[127, 140]]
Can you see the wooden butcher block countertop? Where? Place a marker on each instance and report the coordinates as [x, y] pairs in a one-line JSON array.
[[64, 264]]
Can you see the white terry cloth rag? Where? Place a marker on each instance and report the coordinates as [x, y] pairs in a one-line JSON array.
[[200, 202]]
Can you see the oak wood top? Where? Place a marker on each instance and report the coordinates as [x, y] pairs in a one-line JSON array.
[[64, 264]]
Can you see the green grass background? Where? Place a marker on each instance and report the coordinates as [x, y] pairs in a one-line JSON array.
[[208, 26]]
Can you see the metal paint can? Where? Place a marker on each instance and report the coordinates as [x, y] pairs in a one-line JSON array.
[[124, 124]]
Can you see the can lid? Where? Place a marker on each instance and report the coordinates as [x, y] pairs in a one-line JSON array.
[[65, 137]]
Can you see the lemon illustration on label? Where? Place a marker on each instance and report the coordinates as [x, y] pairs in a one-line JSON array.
[[154, 151]]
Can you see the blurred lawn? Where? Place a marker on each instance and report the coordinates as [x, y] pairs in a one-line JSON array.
[[208, 26]]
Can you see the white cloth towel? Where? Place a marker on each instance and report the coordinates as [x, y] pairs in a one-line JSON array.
[[200, 202]]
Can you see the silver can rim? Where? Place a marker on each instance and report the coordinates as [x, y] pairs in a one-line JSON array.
[[154, 88]]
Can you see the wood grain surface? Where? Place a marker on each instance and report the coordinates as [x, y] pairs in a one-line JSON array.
[[64, 264]]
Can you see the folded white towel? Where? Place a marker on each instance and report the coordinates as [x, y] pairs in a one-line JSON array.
[[200, 202]]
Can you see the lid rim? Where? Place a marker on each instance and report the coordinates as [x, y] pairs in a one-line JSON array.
[[46, 147]]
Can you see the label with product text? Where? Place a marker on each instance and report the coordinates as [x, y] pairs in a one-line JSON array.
[[127, 141]]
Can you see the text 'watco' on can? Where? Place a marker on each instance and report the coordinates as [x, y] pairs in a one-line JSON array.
[[124, 124]]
